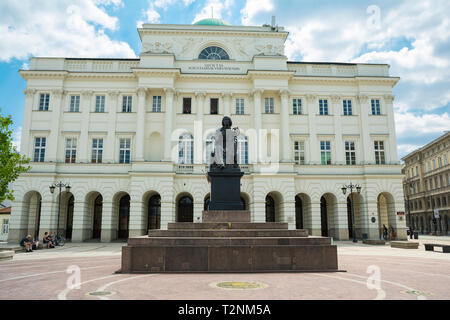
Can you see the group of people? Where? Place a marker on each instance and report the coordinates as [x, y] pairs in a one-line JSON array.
[[388, 234], [29, 244]]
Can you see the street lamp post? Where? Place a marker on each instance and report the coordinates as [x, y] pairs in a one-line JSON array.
[[344, 190], [59, 185], [408, 191]]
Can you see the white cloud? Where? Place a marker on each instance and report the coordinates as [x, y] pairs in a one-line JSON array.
[[423, 124], [62, 28], [254, 7], [16, 138], [221, 10]]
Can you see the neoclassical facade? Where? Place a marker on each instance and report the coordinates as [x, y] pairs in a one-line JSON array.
[[132, 136], [426, 186]]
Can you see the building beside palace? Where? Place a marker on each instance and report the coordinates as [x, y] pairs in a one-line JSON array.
[[131, 136], [426, 186]]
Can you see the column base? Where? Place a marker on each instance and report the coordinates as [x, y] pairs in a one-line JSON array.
[[108, 235], [80, 235]]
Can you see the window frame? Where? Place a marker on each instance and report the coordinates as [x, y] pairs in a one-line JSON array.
[[44, 105], [70, 152], [375, 107], [74, 103], [97, 151], [184, 106], [125, 151], [350, 153], [298, 152], [323, 107], [269, 105], [100, 103], [297, 108], [347, 107], [40, 150], [325, 150], [156, 103], [380, 152], [240, 105], [127, 103]]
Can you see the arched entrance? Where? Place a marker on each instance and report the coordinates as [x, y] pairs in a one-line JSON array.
[[386, 214], [298, 213], [324, 216], [270, 209], [31, 214], [154, 212], [97, 217], [185, 209], [124, 216]]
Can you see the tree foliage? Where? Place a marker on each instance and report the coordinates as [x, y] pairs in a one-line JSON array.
[[12, 163]]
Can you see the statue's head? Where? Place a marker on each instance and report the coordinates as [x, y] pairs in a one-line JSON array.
[[226, 122]]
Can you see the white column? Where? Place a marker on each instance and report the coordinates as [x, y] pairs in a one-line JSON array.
[[26, 122], [83, 145], [285, 126], [336, 100], [56, 108], [340, 220], [167, 212], [257, 122], [288, 213], [227, 104], [168, 124], [367, 154], [137, 225], [259, 211], [110, 221], [81, 225], [49, 214], [18, 222], [313, 224], [200, 97], [198, 210], [140, 127], [109, 147], [314, 150], [373, 229], [393, 154]]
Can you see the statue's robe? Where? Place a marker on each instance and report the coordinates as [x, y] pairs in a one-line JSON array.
[[218, 146]]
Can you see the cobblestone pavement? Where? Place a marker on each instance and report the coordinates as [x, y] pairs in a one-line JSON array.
[[372, 272]]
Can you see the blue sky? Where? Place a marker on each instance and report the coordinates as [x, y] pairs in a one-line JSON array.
[[412, 36]]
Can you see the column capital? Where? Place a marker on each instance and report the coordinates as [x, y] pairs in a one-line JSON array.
[[113, 93], [29, 92], [200, 94], [58, 93], [311, 97], [257, 92], [169, 91], [226, 94], [362, 98], [389, 98], [285, 93], [141, 91]]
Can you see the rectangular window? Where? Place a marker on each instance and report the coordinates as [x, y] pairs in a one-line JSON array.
[[44, 102], [379, 152], [269, 105], [417, 170], [418, 187], [156, 106], [440, 162], [445, 159], [323, 107], [297, 106], [350, 153], [74, 104], [100, 104], [71, 150], [39, 149], [434, 164], [125, 151], [240, 106], [347, 104], [97, 151], [325, 152], [187, 105], [126, 103], [299, 152], [375, 106], [214, 105], [5, 228]]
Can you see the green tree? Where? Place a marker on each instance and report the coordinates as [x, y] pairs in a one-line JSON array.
[[12, 164]]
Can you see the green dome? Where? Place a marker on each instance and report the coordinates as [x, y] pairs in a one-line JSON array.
[[212, 22]]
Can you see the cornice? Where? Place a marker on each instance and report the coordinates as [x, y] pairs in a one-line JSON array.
[[54, 74], [100, 75], [279, 74], [165, 32]]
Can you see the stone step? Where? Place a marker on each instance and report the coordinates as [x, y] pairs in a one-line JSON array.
[[294, 258], [205, 241], [228, 233], [226, 225]]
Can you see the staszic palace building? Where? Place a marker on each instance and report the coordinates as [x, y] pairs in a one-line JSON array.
[[427, 187], [131, 136]]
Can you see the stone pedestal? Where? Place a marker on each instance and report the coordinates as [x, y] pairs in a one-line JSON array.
[[226, 216], [225, 187], [228, 246]]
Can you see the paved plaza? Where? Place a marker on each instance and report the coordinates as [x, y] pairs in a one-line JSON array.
[[371, 272]]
